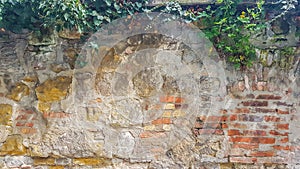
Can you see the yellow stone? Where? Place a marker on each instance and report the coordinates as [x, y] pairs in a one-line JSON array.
[[44, 107], [53, 89], [44, 161], [167, 114], [30, 79], [13, 146], [92, 161], [5, 114], [169, 106], [226, 166], [56, 167], [20, 90], [178, 113], [149, 127]]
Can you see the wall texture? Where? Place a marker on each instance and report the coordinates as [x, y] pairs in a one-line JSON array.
[[144, 93]]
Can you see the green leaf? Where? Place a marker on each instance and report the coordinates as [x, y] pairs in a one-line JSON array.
[[66, 16]]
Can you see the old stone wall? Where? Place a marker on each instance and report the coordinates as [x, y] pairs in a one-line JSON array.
[[144, 93]]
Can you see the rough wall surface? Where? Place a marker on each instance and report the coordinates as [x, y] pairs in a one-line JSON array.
[[143, 93]]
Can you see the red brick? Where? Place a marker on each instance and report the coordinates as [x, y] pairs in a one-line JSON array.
[[284, 140], [238, 125], [241, 139], [261, 140], [167, 99], [278, 147], [283, 104], [262, 154], [147, 134], [243, 159], [162, 121], [233, 117], [249, 146], [282, 111], [179, 100], [277, 133], [29, 124], [254, 133], [261, 126], [268, 97], [252, 118], [255, 103], [241, 110], [20, 124], [263, 110], [282, 126], [210, 131], [272, 119], [216, 118], [224, 126], [233, 132], [212, 125]]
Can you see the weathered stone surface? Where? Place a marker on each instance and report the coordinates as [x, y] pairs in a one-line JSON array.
[[3, 133], [13, 146], [99, 162], [53, 89], [44, 161], [5, 113], [148, 82], [69, 34], [18, 91]]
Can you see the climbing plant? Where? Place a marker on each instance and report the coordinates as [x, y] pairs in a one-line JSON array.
[[82, 15], [227, 26]]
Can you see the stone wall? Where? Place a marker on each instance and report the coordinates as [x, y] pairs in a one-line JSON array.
[[144, 93]]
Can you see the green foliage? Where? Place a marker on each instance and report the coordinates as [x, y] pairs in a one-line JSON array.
[[18, 15], [80, 15], [230, 29]]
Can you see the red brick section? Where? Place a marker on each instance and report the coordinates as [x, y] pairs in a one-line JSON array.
[[25, 121], [162, 121], [173, 107], [268, 97], [256, 129]]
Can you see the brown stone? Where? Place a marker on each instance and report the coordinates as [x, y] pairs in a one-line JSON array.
[[5, 113], [44, 161], [69, 34], [18, 91], [93, 161], [53, 89], [13, 146]]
